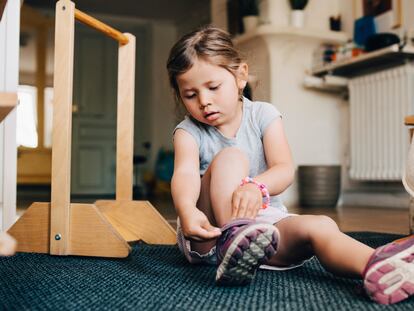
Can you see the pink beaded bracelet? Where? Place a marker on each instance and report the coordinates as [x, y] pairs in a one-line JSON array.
[[262, 187]]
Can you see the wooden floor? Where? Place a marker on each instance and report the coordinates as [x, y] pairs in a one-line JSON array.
[[348, 218], [353, 218]]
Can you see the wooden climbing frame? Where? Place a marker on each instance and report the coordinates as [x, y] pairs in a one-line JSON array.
[[102, 229]]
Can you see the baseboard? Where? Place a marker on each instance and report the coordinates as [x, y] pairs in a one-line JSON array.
[[42, 193], [33, 193], [375, 199]]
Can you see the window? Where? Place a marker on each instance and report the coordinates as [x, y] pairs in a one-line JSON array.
[[27, 117], [48, 109]]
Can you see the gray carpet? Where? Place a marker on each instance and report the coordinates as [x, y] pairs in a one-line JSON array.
[[158, 278]]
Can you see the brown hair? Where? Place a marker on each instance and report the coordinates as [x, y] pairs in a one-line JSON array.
[[208, 43]]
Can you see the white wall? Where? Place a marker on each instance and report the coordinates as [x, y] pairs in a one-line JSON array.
[[408, 15], [9, 64]]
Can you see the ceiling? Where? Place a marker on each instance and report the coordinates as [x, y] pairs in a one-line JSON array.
[[174, 10]]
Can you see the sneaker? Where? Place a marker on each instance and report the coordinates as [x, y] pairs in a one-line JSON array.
[[243, 245], [389, 274]]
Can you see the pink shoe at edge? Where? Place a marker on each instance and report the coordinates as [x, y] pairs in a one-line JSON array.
[[389, 274]]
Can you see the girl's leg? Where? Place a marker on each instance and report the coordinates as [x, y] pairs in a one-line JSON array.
[[222, 177], [307, 235]]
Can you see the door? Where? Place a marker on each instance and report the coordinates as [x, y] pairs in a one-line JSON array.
[[94, 108]]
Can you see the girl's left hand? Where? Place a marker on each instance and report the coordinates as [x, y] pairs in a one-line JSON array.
[[246, 201]]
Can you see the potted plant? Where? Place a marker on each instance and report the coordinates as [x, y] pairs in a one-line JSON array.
[[249, 11], [297, 16]]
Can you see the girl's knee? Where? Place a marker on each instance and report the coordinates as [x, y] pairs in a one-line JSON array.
[[327, 221], [322, 224], [231, 155]]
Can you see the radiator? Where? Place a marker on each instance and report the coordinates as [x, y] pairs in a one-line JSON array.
[[379, 140]]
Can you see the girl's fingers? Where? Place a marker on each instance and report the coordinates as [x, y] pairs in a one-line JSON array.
[[235, 207], [212, 231], [242, 211], [251, 212], [209, 232]]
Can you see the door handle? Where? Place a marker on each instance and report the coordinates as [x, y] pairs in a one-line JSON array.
[[75, 108]]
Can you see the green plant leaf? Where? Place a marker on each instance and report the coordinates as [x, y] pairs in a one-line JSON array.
[[298, 4]]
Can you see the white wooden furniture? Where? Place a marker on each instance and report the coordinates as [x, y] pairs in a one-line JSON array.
[[104, 228], [9, 77]]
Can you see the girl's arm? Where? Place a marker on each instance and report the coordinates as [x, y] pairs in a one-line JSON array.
[[185, 184], [185, 188], [247, 199], [281, 170]]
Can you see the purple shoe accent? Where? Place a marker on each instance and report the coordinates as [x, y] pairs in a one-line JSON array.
[[228, 232], [389, 274], [242, 247]]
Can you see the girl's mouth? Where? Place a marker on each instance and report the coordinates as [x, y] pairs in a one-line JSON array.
[[211, 116]]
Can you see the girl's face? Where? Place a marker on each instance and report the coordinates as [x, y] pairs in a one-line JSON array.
[[210, 93]]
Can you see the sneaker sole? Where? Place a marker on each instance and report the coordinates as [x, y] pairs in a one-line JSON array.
[[249, 249], [392, 280]]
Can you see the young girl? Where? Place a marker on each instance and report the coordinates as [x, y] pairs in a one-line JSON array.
[[232, 160]]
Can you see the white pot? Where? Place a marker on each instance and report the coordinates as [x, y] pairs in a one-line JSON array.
[[250, 23], [297, 18], [274, 12]]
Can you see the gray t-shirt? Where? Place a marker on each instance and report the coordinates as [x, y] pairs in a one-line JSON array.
[[249, 138]]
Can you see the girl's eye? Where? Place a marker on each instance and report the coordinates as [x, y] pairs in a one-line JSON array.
[[189, 96], [212, 88]]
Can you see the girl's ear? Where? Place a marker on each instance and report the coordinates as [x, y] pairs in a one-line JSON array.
[[242, 74]]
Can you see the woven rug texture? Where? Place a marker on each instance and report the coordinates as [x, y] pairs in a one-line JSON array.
[[159, 278]]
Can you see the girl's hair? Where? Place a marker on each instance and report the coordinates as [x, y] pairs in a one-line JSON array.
[[207, 43]]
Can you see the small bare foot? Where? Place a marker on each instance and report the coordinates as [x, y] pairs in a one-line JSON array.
[[7, 244]]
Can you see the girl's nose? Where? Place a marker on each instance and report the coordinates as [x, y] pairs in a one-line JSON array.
[[204, 101], [204, 105]]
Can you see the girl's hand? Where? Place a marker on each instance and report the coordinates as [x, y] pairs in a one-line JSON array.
[[247, 201], [196, 227]]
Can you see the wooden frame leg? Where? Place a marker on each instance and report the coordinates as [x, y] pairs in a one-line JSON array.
[[91, 233], [138, 220]]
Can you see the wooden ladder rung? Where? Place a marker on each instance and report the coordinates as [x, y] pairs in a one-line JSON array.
[[409, 120]]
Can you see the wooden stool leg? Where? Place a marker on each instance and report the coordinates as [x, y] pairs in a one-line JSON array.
[[138, 220], [62, 128]]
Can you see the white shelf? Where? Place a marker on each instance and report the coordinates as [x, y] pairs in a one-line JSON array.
[[329, 84], [369, 62], [325, 36]]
